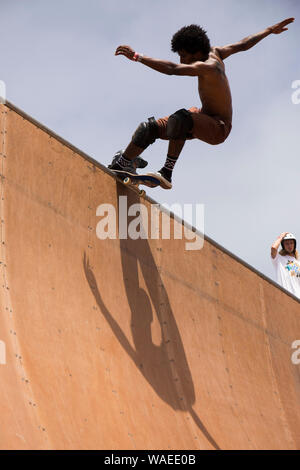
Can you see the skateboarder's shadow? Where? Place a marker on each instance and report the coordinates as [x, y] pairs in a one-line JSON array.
[[164, 366]]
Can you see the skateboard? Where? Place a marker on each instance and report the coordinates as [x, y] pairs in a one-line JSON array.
[[134, 180]]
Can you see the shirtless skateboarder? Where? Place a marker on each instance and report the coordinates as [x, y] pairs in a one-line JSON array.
[[211, 123]]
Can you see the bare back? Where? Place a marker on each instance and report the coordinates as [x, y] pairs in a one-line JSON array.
[[214, 89]]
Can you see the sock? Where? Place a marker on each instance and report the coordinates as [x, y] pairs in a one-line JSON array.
[[124, 162], [169, 166]]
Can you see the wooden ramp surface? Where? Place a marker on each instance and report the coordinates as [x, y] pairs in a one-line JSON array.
[[128, 344]]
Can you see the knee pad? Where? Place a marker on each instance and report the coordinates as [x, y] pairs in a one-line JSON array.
[[146, 133], [179, 125]]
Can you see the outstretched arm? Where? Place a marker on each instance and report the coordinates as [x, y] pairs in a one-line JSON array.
[[164, 66], [252, 40]]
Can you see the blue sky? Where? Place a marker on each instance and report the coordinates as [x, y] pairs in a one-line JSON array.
[[59, 66]]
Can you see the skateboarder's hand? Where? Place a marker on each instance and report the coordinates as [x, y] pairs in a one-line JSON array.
[[280, 27], [127, 51]]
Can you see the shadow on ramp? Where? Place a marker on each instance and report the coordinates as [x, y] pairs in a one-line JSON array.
[[164, 366]]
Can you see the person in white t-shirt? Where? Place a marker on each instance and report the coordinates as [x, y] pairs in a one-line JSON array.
[[287, 262]]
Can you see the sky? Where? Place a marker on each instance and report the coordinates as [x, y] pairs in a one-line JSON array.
[[58, 65]]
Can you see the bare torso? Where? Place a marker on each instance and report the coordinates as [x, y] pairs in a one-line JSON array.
[[214, 90]]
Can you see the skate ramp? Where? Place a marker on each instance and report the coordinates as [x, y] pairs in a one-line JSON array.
[[128, 344]]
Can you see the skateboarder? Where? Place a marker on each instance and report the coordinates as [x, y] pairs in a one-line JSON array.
[[287, 262], [211, 123]]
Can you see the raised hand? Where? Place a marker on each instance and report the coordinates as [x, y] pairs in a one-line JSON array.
[[281, 27], [127, 51], [282, 235]]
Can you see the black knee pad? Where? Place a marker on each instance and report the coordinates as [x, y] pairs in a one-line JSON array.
[[146, 133], [180, 125]]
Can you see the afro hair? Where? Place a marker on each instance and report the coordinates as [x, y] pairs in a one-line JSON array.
[[192, 39]]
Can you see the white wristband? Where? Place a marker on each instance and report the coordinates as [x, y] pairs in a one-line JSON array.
[[137, 57]]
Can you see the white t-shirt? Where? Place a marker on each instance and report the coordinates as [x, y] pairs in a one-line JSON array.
[[288, 273]]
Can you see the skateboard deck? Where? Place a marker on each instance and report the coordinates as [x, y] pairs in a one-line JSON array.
[[132, 180]]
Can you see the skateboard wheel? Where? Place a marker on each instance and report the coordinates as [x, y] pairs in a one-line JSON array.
[[142, 192], [127, 180]]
